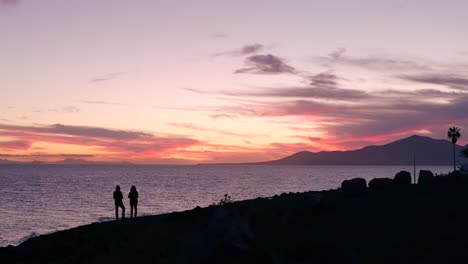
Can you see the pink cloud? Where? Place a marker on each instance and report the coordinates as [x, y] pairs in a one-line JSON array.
[[15, 145]]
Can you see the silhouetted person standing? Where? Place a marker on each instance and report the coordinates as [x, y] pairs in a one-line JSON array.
[[118, 197], [133, 196]]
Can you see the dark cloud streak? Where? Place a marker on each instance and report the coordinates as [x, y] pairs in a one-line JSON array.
[[449, 80], [107, 77], [100, 102], [266, 64], [375, 62], [243, 51], [5, 3], [328, 93], [324, 79], [79, 131]]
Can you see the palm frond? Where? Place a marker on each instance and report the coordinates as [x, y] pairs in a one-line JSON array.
[[454, 133]]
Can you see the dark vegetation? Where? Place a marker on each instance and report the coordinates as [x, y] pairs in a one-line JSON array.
[[225, 200], [391, 221]]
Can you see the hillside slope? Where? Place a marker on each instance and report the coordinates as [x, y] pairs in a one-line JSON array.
[[428, 151]]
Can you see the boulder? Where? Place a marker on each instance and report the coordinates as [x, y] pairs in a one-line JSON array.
[[425, 177], [402, 177], [356, 186], [380, 183]]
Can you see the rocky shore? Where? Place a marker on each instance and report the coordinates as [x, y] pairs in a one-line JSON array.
[[384, 221]]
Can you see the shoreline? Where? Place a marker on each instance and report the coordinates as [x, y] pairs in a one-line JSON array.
[[108, 217], [389, 222]]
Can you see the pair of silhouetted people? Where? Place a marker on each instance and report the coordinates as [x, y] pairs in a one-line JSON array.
[[118, 197]]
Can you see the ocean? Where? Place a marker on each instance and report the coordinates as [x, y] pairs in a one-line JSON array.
[[39, 199]]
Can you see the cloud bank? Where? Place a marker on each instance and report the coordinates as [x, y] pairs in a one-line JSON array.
[[117, 143]]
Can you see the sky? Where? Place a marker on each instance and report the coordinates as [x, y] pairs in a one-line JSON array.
[[187, 82]]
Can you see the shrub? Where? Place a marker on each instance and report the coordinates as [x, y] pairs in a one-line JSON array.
[[225, 200]]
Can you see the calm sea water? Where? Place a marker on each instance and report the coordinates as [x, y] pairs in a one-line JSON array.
[[39, 199]]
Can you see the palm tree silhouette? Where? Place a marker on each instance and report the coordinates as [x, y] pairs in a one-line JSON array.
[[454, 134]]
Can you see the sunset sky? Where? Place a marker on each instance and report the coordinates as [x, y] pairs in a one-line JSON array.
[[184, 82]]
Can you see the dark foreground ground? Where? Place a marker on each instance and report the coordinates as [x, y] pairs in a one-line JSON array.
[[393, 224]]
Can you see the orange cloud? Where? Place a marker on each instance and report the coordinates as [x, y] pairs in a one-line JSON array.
[[118, 143]]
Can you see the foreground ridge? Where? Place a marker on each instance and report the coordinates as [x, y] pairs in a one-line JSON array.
[[391, 221]]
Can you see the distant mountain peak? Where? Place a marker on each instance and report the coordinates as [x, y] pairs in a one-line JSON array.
[[416, 137]]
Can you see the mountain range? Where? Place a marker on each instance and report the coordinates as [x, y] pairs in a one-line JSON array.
[[427, 151]]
